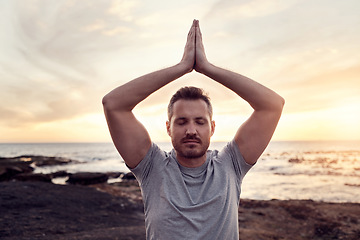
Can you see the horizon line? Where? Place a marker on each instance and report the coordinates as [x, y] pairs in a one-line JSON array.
[[74, 142]]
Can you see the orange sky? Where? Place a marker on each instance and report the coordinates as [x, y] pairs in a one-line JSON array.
[[60, 57]]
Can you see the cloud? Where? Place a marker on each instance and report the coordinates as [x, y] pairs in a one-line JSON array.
[[308, 59], [71, 32], [249, 8], [60, 57], [51, 71]]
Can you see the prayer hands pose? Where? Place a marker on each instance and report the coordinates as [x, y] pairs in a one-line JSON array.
[[194, 54], [132, 139]]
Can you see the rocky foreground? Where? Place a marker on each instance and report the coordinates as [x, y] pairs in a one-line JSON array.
[[35, 208]]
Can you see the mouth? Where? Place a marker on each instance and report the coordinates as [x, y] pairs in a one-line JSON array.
[[191, 141]]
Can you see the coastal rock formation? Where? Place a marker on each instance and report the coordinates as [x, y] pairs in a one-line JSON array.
[[22, 167], [128, 176], [87, 178], [10, 167], [39, 177]]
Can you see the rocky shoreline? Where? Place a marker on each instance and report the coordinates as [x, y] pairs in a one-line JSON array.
[[32, 207], [21, 168]]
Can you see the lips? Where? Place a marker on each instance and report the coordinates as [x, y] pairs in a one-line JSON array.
[[191, 140]]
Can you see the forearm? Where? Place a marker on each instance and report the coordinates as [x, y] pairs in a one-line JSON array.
[[127, 96], [257, 95]]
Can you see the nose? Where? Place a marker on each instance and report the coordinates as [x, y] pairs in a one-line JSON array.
[[191, 130]]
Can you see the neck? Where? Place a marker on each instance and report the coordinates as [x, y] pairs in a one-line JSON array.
[[191, 162]]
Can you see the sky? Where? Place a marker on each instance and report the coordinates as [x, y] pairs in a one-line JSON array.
[[60, 57]]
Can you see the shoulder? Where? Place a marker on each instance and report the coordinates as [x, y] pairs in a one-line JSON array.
[[230, 150], [232, 155], [155, 156]]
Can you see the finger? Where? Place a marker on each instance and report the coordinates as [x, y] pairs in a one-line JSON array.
[[192, 33], [198, 28], [198, 34], [192, 27], [191, 36]]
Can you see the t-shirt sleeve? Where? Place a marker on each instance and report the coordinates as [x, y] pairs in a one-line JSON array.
[[239, 164], [143, 170]]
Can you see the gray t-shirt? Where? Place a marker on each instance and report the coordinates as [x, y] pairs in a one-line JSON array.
[[191, 203]]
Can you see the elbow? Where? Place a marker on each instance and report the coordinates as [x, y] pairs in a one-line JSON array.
[[104, 100], [112, 102], [277, 104], [107, 102], [280, 103]]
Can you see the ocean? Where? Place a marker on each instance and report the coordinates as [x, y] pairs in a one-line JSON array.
[[317, 170]]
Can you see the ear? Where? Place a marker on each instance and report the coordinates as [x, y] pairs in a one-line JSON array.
[[212, 127], [168, 128]]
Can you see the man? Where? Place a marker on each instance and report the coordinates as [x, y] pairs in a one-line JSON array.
[[191, 193]]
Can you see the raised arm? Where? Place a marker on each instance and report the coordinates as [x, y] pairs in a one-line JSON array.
[[254, 134], [130, 137]]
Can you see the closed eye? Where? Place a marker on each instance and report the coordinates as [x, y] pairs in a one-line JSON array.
[[181, 121], [201, 121]]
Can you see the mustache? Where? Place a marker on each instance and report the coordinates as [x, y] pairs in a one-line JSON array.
[[192, 138]]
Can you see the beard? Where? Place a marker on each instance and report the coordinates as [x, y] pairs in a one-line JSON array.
[[190, 151]]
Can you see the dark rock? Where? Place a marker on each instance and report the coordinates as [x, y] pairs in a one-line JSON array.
[[37, 160], [50, 161], [59, 174], [87, 178], [114, 174], [39, 177], [11, 167], [8, 171], [128, 176]]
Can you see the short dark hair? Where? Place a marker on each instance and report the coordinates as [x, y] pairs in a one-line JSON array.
[[189, 93]]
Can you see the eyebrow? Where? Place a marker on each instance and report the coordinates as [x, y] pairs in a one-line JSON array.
[[185, 118], [180, 118], [201, 118]]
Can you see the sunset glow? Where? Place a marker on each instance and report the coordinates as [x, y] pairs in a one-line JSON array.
[[59, 58]]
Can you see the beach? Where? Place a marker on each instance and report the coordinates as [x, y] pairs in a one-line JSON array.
[[89, 207], [42, 210], [52, 196]]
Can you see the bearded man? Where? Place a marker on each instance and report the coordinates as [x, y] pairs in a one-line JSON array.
[[191, 192]]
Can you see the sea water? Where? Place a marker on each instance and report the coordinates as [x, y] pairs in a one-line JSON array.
[[318, 170]]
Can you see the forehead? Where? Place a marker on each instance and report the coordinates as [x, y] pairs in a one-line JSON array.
[[190, 109]]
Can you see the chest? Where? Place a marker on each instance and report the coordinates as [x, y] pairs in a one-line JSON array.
[[216, 184], [178, 200]]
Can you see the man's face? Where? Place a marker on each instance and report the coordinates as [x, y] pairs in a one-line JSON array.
[[190, 128]]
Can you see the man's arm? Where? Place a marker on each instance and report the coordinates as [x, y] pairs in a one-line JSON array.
[[129, 136], [254, 134]]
